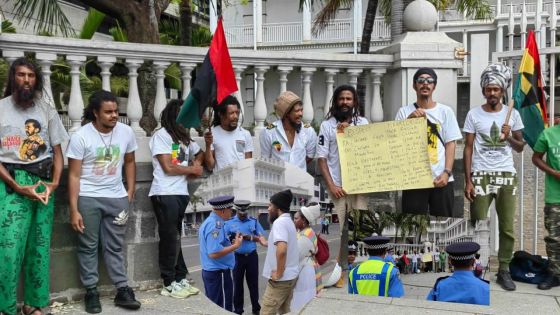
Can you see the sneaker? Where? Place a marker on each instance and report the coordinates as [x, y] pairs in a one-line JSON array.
[[185, 283], [91, 300], [505, 281], [125, 299], [549, 282], [175, 290], [340, 282]]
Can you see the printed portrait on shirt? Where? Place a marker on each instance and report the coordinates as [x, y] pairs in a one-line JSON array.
[[33, 145]]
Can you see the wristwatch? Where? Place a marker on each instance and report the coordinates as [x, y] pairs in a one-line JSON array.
[[448, 171]]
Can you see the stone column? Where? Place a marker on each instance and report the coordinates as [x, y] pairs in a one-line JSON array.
[[260, 101], [213, 4], [45, 60], [353, 74], [500, 38], [330, 73], [376, 104], [186, 69], [511, 28], [466, 46], [106, 63], [161, 100], [283, 71], [11, 55], [307, 73], [238, 72], [306, 21], [134, 107], [258, 12], [76, 103]]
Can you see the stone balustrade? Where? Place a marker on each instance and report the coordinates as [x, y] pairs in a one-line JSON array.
[[261, 75]]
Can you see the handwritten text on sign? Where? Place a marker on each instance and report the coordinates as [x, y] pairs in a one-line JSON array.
[[385, 156]]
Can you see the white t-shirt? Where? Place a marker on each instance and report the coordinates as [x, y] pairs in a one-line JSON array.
[[101, 161], [283, 229], [444, 119], [328, 148], [230, 146], [274, 144], [163, 184], [489, 153]]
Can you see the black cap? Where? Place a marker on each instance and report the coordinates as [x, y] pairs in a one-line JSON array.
[[377, 242], [283, 199], [462, 250], [428, 71], [221, 202], [242, 205]]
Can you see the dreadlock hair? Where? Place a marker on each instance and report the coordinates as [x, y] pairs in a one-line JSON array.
[[221, 108], [168, 119], [11, 86], [94, 104], [334, 99]]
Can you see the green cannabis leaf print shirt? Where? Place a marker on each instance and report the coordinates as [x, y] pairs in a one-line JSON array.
[[489, 153]]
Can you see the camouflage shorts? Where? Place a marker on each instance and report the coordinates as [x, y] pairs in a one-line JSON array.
[[552, 240]]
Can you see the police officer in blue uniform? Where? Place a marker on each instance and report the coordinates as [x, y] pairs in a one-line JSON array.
[[462, 286], [375, 276], [246, 258], [216, 253]]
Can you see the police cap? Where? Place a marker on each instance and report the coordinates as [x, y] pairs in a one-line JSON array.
[[242, 205], [221, 202], [376, 242], [462, 250]]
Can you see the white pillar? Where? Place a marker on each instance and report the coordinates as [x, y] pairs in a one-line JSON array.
[[283, 71], [11, 55], [134, 107], [106, 62], [186, 69], [498, 7], [376, 104], [306, 21], [257, 20], [161, 100], [466, 59], [213, 15], [330, 87], [238, 72], [499, 38], [76, 102], [260, 101], [353, 76], [45, 60], [523, 26], [307, 73], [511, 27]]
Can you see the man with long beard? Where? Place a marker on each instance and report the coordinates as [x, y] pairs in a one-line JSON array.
[[29, 125], [489, 170], [281, 266], [343, 113], [289, 139]]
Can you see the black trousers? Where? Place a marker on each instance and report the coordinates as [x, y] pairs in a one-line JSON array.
[[246, 266], [218, 287], [169, 211]]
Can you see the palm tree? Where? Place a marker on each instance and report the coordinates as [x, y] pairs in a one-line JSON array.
[[194, 201], [421, 224]]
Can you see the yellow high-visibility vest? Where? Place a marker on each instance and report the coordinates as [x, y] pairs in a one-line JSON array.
[[371, 277]]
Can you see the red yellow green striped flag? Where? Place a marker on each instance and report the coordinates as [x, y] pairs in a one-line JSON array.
[[529, 95]]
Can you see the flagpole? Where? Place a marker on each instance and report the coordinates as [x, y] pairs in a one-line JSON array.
[[536, 211]]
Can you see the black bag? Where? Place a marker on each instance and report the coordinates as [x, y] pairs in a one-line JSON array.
[[528, 268]]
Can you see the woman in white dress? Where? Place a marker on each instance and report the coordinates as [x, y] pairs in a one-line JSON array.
[[309, 283]]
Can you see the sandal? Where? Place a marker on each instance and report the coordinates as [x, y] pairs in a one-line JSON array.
[[30, 310]]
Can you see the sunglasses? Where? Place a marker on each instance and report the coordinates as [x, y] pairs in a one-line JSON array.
[[425, 80]]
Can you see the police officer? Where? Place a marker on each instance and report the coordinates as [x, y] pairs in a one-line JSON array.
[[288, 138], [462, 286], [216, 253], [246, 258], [375, 276]]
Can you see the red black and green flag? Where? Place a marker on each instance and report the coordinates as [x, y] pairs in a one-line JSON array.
[[214, 81], [529, 95]]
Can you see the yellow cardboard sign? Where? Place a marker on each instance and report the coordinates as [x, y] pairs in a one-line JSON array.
[[386, 156]]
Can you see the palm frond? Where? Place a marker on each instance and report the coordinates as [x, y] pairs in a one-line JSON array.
[[91, 23], [169, 32], [201, 36], [173, 76], [8, 27], [478, 9], [327, 13], [119, 34], [47, 14]]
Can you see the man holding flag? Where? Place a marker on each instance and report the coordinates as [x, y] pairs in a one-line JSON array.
[[491, 131]]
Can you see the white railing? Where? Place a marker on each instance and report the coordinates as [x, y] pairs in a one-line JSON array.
[[239, 34], [336, 30], [282, 32], [529, 7]]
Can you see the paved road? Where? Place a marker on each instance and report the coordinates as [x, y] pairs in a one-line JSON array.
[[192, 258]]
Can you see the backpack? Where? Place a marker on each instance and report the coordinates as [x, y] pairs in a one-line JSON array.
[[528, 268], [322, 254]]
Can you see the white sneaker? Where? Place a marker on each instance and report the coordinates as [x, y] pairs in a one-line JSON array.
[[176, 290], [185, 285]]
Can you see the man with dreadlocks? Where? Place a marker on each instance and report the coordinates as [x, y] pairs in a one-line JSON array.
[[31, 162], [343, 113], [175, 157], [443, 131], [227, 142], [289, 139], [489, 170]]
